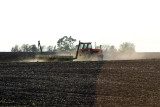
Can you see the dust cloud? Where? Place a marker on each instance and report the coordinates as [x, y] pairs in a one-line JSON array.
[[106, 56], [131, 56]]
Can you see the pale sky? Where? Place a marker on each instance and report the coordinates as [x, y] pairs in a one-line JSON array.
[[102, 21]]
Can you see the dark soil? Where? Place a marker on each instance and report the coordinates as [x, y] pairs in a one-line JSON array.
[[108, 83]]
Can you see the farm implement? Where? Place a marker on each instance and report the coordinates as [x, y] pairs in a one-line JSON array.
[[84, 52]]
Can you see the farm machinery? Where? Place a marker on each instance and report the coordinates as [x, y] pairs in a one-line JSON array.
[[84, 52]]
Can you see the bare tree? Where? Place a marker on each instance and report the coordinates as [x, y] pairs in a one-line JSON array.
[[15, 49]]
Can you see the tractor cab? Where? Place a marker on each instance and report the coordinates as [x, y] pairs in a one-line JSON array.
[[85, 46]]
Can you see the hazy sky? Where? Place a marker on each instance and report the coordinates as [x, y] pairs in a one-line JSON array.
[[102, 21]]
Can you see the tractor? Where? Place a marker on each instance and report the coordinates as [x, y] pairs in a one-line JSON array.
[[84, 53]]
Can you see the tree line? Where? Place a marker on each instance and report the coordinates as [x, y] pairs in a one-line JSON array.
[[63, 44], [67, 44], [125, 47], [30, 48]]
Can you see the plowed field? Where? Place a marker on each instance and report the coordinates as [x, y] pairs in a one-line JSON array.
[[106, 83]]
